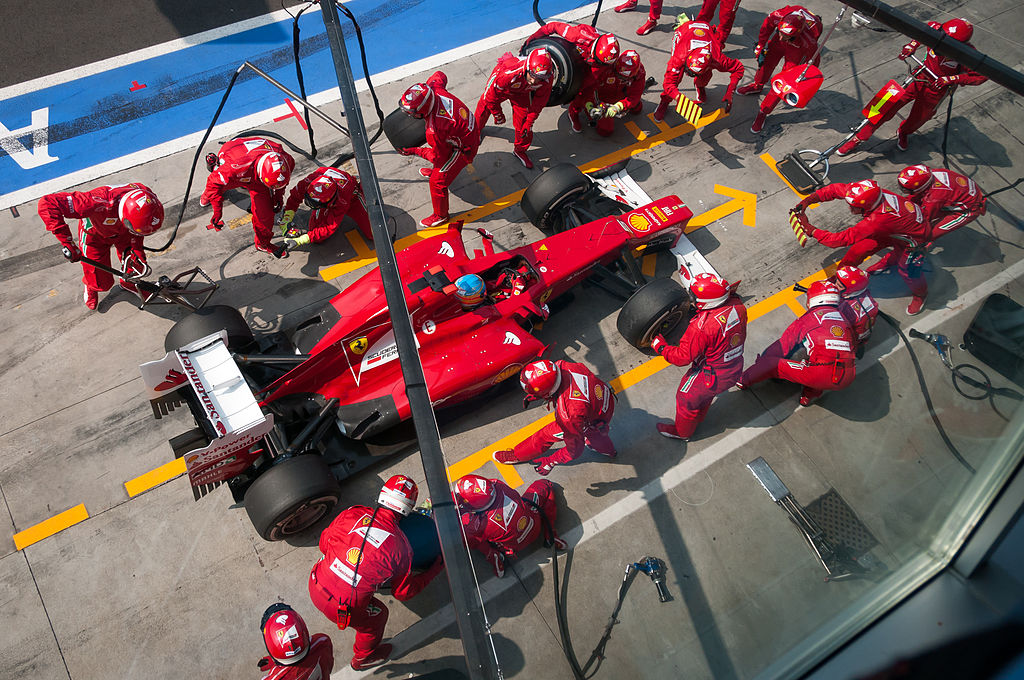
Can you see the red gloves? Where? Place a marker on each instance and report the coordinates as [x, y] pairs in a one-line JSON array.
[[659, 343], [71, 252]]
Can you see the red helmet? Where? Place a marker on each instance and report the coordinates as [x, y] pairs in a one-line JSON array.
[[285, 634], [417, 100], [606, 49], [915, 178], [710, 291], [322, 191], [273, 171], [141, 211], [864, 196], [399, 494], [961, 29], [475, 491], [822, 293], [628, 64], [539, 64], [698, 61], [540, 379], [852, 280], [792, 25]]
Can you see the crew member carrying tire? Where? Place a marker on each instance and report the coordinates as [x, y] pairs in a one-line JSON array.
[[526, 83], [653, 14], [108, 217], [826, 336], [291, 653], [887, 220], [696, 52], [789, 35], [500, 523], [452, 139], [857, 305], [712, 346], [363, 549], [583, 404], [618, 93], [938, 79], [330, 194], [261, 167]]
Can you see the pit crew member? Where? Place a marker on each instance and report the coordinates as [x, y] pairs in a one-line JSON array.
[[948, 199], [499, 522], [364, 549], [526, 83], [825, 334], [653, 14], [789, 35], [726, 16], [887, 220], [938, 78], [291, 653], [261, 167], [330, 194], [696, 52], [452, 138], [712, 347], [108, 217], [583, 411], [857, 305], [618, 92]]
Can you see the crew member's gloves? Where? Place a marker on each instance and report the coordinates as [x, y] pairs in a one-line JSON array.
[[286, 219], [757, 49], [805, 203], [71, 252], [908, 49], [946, 81], [659, 343], [615, 110], [405, 152], [727, 103], [499, 116], [215, 225]]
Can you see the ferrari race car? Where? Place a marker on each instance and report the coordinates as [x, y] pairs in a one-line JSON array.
[[282, 417]]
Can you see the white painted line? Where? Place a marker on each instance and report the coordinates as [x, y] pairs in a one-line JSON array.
[[416, 635], [233, 127]]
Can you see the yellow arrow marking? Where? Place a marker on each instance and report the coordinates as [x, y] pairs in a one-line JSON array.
[[738, 200]]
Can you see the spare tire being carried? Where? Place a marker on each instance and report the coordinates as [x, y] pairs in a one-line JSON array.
[[404, 131], [569, 67]]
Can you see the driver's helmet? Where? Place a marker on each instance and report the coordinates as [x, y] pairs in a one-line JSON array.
[[470, 290]]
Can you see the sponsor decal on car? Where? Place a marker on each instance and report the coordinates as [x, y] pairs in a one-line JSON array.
[[428, 327], [639, 223], [359, 345], [204, 396], [511, 339]]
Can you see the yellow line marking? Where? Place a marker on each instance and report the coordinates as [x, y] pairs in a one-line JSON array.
[[770, 162], [156, 477], [362, 250], [738, 201], [660, 124], [487, 191], [796, 307], [647, 264], [634, 129], [49, 527]]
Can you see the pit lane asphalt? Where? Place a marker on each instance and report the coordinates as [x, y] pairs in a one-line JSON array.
[[182, 584]]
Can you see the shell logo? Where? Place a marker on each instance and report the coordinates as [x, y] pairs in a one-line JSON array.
[[639, 223], [353, 556], [521, 524], [191, 459], [699, 33], [734, 341], [506, 373], [961, 181], [462, 112], [836, 331], [598, 392], [909, 206]]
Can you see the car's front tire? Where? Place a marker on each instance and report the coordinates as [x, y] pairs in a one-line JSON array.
[[656, 308], [555, 188]]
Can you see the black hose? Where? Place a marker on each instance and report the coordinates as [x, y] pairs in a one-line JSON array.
[[366, 70], [536, 14], [597, 13], [945, 132], [298, 74]]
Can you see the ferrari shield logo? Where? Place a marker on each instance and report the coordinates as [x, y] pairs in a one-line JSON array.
[[359, 345]]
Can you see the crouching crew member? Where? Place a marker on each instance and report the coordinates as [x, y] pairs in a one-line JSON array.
[[696, 52], [330, 194], [291, 653], [858, 305], [526, 83]]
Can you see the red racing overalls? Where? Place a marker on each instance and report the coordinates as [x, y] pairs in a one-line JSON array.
[[348, 201]]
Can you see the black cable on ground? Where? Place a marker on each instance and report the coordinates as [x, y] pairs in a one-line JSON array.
[[281, 138], [945, 132], [366, 69], [1006, 188], [927, 397], [298, 73]]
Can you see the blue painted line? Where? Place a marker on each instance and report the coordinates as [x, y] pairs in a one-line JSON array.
[[96, 118]]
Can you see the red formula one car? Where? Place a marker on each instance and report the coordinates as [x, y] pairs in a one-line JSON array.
[[264, 407]]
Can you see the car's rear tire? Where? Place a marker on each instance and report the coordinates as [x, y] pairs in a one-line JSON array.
[[207, 320], [657, 307], [404, 131], [291, 496], [569, 68], [550, 192]]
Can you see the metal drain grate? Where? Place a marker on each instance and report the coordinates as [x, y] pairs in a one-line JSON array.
[[840, 524]]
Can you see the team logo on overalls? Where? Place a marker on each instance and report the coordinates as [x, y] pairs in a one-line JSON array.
[[353, 556], [909, 206], [734, 340], [598, 392], [961, 181], [521, 524], [699, 33], [836, 331]]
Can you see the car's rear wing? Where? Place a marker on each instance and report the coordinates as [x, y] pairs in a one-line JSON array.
[[204, 375], [621, 187]]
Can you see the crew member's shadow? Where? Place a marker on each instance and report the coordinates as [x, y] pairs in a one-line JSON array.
[[509, 654]]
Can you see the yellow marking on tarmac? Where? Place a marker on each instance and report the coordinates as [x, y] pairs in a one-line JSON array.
[[770, 162], [647, 264], [487, 191], [156, 477], [634, 129], [49, 527], [738, 200], [362, 250], [660, 124], [796, 307]]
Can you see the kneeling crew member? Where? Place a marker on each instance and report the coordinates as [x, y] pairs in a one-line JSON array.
[[292, 655]]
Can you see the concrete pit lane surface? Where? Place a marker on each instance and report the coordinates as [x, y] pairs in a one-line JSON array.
[[113, 570]]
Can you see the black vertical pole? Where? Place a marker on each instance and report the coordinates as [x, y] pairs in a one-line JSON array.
[[468, 609]]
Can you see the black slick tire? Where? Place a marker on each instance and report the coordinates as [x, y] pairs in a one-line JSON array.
[[291, 496], [404, 131], [555, 188], [207, 320], [569, 68], [657, 307]]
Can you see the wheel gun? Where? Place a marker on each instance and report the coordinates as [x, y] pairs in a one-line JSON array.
[[654, 568], [941, 343]]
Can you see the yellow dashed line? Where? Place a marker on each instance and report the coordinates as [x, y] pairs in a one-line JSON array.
[[49, 527], [156, 477]]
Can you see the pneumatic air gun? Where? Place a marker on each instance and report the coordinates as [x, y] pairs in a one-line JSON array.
[[939, 341], [655, 568]]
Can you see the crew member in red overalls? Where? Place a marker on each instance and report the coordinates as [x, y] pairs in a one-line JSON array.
[[261, 167], [583, 410], [726, 16], [499, 522], [696, 52], [620, 91], [857, 305], [652, 16], [452, 139], [888, 220], [826, 336], [526, 83], [789, 35], [712, 347], [599, 52], [928, 90], [291, 654], [115, 217], [948, 199], [330, 194], [364, 549]]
